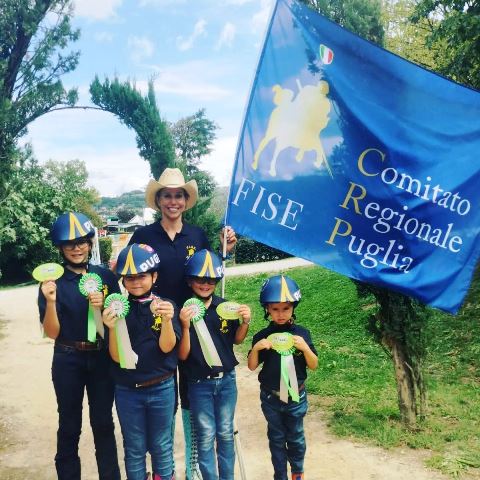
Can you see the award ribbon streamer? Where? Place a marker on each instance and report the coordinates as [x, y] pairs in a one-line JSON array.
[[120, 306], [90, 283], [282, 343], [209, 351], [288, 381]]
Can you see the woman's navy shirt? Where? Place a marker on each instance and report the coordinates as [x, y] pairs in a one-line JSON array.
[[269, 376], [173, 255], [144, 334], [72, 306]]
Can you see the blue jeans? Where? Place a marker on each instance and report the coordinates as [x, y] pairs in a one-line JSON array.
[[145, 416], [72, 373], [212, 405], [286, 437]]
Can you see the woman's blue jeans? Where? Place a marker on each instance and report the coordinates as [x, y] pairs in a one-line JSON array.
[[145, 416], [212, 405], [286, 437]]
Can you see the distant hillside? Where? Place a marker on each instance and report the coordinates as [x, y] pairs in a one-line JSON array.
[[135, 200]]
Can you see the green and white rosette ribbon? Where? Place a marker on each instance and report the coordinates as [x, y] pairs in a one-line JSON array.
[[120, 306], [206, 343], [90, 283], [282, 343]]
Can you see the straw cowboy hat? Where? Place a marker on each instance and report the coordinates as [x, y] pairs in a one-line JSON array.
[[171, 178]]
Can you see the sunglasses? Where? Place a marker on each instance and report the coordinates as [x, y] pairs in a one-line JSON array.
[[81, 243], [204, 280]]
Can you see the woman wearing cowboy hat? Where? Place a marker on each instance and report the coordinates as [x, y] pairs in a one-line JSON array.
[[176, 241]]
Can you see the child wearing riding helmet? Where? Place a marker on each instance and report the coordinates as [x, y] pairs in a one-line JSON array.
[[80, 359], [207, 349], [285, 350], [145, 394]]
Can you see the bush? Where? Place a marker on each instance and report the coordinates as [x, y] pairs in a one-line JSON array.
[[250, 251], [105, 244]]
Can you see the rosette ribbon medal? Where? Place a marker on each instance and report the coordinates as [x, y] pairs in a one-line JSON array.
[[47, 271], [282, 343], [206, 343], [120, 306], [90, 283], [228, 310]]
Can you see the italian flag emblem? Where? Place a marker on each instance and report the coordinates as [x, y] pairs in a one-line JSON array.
[[326, 55]]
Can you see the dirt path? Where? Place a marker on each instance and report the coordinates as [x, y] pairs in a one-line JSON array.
[[28, 417]]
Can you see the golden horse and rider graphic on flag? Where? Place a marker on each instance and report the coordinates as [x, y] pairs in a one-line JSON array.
[[297, 121]]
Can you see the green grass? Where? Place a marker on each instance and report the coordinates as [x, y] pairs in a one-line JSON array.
[[355, 381]]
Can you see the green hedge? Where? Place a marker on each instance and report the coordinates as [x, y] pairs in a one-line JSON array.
[[105, 249], [249, 251]]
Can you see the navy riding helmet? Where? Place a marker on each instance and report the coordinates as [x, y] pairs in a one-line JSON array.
[[280, 288], [204, 264], [71, 226], [137, 258]]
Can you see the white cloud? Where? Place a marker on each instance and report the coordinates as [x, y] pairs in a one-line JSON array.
[[227, 36], [103, 37], [220, 161], [107, 147], [116, 171], [197, 79], [198, 31], [260, 19], [95, 9], [140, 48]]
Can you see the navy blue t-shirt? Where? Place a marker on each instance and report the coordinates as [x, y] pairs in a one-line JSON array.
[[173, 255], [269, 376], [223, 335], [72, 306], [144, 333]]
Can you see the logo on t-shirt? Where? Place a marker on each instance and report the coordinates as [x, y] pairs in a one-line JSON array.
[[224, 326], [157, 323], [190, 251]]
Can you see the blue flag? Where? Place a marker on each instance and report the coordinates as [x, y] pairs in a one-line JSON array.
[[359, 161]]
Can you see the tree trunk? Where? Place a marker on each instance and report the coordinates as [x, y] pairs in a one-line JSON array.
[[405, 384]]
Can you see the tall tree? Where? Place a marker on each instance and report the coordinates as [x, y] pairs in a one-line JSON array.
[[38, 194], [405, 38], [455, 26], [125, 214], [362, 17], [33, 37], [193, 137], [141, 114]]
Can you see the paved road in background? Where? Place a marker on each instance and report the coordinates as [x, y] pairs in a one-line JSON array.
[[274, 266]]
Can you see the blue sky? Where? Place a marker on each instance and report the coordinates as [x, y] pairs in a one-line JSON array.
[[201, 53]]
